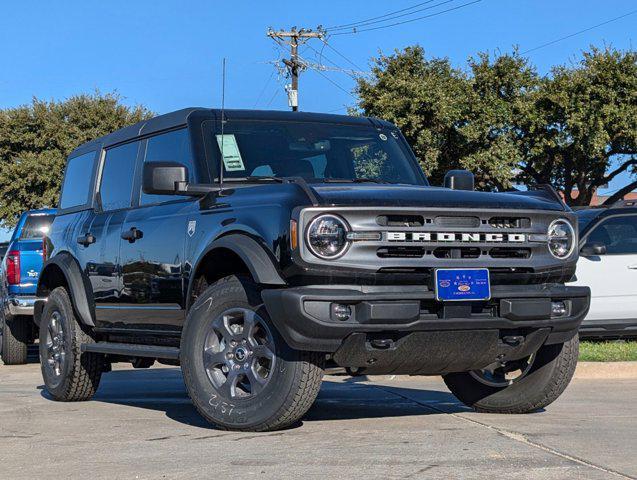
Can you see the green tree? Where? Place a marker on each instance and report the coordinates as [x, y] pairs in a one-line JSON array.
[[583, 127], [575, 128], [35, 140]]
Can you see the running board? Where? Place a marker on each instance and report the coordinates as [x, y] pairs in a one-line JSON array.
[[132, 350]]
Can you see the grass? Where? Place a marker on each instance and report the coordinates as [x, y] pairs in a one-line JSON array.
[[608, 351]]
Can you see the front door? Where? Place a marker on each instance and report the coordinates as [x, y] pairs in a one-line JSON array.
[[153, 243], [612, 276]]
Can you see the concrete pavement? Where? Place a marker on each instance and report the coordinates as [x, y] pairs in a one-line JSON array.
[[142, 425]]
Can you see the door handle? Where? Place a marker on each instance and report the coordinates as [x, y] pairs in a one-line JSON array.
[[86, 239], [132, 235], [632, 267]]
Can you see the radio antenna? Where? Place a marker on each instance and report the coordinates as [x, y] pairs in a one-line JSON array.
[[223, 121]]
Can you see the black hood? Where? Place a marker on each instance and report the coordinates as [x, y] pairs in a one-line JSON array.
[[417, 196]]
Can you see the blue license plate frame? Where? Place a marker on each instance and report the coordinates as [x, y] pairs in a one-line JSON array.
[[462, 284]]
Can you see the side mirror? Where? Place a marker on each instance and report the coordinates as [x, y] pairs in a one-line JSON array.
[[459, 180], [593, 249], [160, 178]]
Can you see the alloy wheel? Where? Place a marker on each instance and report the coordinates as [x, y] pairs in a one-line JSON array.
[[238, 353], [55, 345]]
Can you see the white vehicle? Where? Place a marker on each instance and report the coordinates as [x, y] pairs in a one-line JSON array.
[[608, 265]]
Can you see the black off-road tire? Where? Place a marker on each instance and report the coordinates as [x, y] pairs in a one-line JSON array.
[[15, 339], [80, 375], [548, 377], [293, 383]]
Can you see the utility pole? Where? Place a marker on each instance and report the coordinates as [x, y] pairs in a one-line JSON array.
[[294, 38]]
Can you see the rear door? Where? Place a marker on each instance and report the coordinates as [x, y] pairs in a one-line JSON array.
[[152, 260], [102, 257], [612, 277]]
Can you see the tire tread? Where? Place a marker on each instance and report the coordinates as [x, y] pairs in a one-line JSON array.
[[15, 340]]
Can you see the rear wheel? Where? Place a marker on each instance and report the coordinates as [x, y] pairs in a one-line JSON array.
[[16, 331], [69, 375], [238, 370], [521, 386]]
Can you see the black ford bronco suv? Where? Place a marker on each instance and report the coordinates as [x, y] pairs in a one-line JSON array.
[[318, 242]]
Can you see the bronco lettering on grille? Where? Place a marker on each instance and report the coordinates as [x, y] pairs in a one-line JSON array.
[[456, 237]]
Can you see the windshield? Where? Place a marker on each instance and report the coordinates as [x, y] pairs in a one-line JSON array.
[[36, 226], [316, 152], [585, 217]]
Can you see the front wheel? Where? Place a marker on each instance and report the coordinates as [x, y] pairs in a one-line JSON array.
[[522, 386], [238, 370]]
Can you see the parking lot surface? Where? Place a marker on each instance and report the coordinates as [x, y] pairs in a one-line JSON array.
[[142, 425]]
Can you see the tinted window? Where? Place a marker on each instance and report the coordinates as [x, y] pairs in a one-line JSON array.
[[618, 234], [35, 226], [585, 217], [77, 181], [118, 173], [169, 147]]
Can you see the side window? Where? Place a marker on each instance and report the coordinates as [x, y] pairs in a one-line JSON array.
[[169, 147], [77, 181], [618, 234], [118, 173]]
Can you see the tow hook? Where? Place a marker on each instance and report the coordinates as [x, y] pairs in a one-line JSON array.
[[382, 343], [513, 340]]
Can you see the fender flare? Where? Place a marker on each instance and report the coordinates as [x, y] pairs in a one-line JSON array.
[[259, 262], [80, 290]]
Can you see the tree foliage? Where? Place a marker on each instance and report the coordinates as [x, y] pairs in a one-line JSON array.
[[575, 128], [35, 140]]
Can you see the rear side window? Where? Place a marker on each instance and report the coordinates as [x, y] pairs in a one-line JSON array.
[[618, 234], [77, 181], [118, 172], [169, 147], [35, 226]]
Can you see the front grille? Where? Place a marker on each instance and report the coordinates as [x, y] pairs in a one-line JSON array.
[[510, 222], [400, 220], [502, 252], [401, 252], [405, 241], [459, 222], [465, 252]]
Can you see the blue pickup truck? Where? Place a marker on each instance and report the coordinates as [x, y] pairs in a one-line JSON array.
[[20, 270]]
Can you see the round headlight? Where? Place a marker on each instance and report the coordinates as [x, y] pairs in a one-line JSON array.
[[561, 238], [327, 236]]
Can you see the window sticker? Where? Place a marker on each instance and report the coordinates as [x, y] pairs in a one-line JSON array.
[[231, 156]]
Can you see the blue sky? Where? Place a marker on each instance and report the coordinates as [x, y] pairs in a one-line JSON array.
[[167, 54]]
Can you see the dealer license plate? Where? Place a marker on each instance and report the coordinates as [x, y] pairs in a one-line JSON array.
[[457, 284]]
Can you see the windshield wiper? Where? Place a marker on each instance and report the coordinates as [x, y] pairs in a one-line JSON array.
[[300, 181], [355, 180], [256, 178]]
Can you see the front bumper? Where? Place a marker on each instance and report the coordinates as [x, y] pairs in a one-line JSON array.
[[305, 317], [19, 304]]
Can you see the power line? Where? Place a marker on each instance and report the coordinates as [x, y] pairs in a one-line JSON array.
[[408, 21], [577, 33], [380, 16], [334, 83], [265, 86], [341, 55], [367, 23], [321, 57]]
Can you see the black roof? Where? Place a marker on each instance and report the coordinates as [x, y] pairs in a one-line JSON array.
[[180, 118]]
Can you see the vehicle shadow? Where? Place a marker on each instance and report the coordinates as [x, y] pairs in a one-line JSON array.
[[163, 389]]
